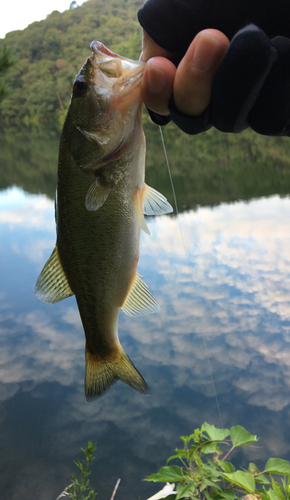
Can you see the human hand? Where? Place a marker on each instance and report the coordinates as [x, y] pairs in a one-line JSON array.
[[246, 84], [190, 83]]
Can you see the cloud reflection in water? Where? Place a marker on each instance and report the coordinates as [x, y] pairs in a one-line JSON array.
[[231, 286]]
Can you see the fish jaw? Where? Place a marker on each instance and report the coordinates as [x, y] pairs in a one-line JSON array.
[[125, 95], [127, 73], [105, 106], [114, 64]]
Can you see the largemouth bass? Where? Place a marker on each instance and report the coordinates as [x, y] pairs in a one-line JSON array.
[[100, 205]]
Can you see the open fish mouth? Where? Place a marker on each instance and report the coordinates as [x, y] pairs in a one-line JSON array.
[[117, 82], [103, 54], [115, 66]]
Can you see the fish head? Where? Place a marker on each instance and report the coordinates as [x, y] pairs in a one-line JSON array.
[[105, 107]]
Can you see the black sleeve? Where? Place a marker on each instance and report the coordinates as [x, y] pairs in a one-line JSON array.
[[174, 23], [252, 84]]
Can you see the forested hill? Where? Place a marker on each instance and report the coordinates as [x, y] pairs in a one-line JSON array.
[[49, 53], [209, 168]]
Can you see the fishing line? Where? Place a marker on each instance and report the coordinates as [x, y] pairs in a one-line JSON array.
[[190, 271]]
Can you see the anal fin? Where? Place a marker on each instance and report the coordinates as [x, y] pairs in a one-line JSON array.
[[140, 300], [154, 203], [52, 284]]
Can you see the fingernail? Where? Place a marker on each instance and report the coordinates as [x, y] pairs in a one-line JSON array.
[[203, 55], [157, 79]]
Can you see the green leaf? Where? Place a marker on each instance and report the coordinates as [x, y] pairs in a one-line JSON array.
[[185, 491], [285, 482], [253, 468], [211, 484], [211, 471], [242, 479], [262, 479], [79, 465], [186, 439], [270, 494], [207, 495], [193, 449], [179, 454], [214, 433], [229, 494], [226, 466], [210, 448], [259, 478], [277, 488], [277, 466], [211, 463], [169, 473], [241, 437]]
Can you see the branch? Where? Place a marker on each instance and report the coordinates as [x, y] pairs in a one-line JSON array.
[[64, 493], [228, 453], [115, 489]]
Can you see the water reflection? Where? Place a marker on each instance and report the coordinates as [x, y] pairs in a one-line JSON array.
[[224, 291]]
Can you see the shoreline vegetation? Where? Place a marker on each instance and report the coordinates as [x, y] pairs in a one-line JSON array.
[[50, 52], [207, 169], [202, 470]]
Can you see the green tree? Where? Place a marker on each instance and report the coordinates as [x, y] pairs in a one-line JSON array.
[[42, 86], [5, 63]]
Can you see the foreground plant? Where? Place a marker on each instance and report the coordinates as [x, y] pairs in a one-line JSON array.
[[205, 473], [77, 488]]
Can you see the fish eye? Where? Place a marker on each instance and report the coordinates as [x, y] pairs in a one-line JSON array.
[[80, 86]]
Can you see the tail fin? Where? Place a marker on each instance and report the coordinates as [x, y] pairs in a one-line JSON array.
[[102, 373]]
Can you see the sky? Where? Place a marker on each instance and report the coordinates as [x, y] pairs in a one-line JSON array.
[[16, 14]]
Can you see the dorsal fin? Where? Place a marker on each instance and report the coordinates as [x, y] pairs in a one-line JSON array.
[[154, 203], [140, 300], [52, 284]]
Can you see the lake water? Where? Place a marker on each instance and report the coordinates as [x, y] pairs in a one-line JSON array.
[[222, 277]]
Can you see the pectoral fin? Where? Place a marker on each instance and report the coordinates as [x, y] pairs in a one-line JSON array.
[[52, 284], [154, 203], [97, 195], [140, 300]]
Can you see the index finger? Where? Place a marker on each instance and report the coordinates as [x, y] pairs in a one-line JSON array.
[[152, 49], [158, 77]]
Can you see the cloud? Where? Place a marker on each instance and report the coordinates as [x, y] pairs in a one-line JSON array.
[[221, 282], [33, 212], [224, 291]]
